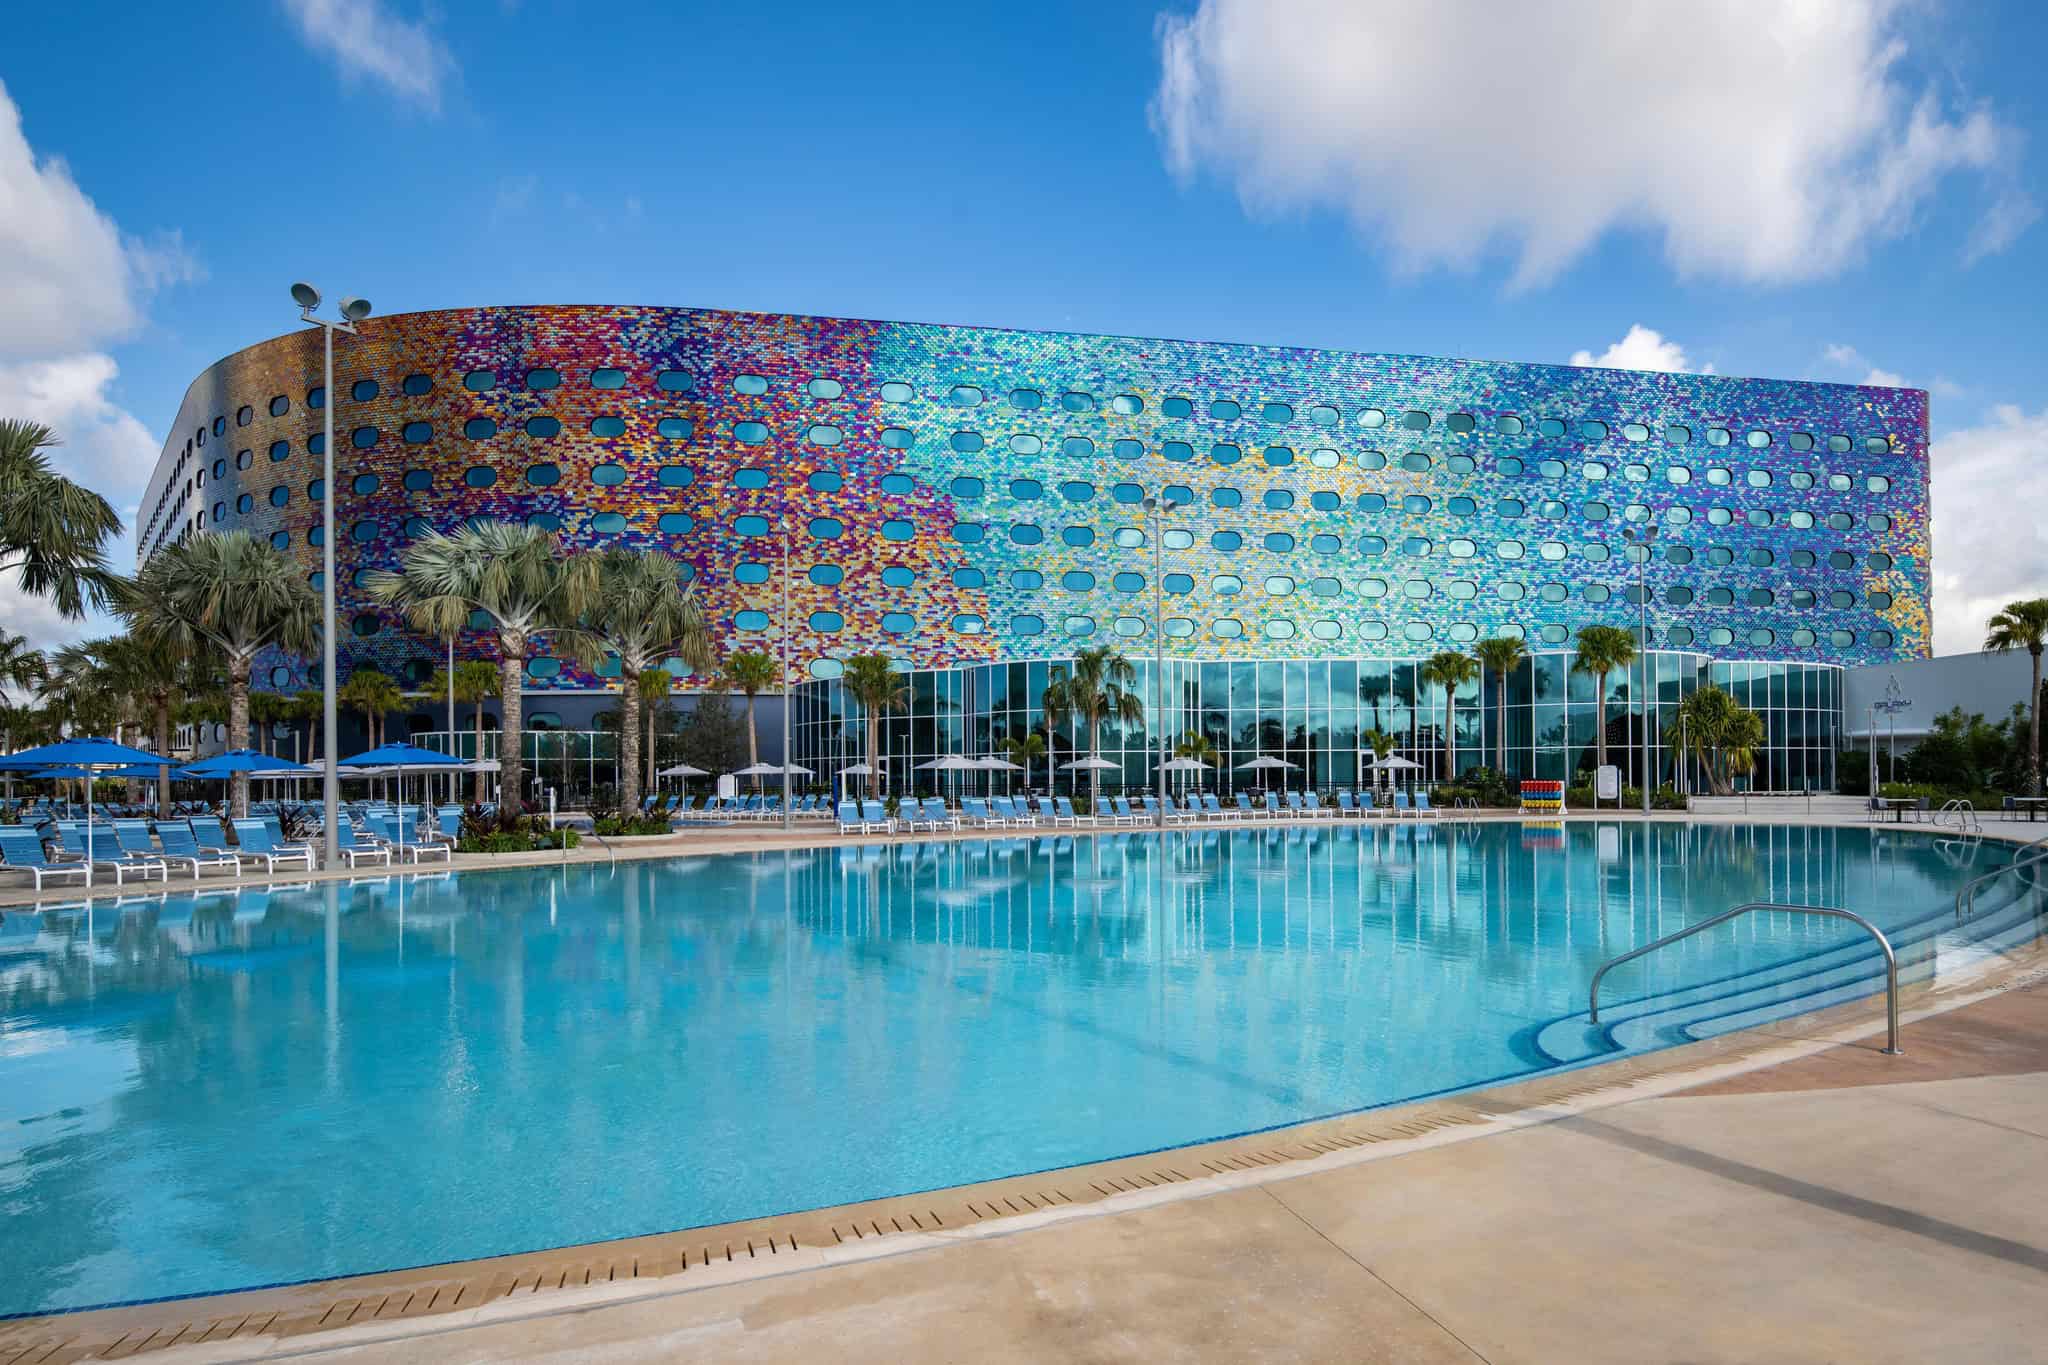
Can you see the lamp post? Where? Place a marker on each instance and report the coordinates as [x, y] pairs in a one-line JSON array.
[[1156, 510], [1640, 537], [353, 311], [782, 525]]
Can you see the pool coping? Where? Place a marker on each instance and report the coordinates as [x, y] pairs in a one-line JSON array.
[[394, 1305]]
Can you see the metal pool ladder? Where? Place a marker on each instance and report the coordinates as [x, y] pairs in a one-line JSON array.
[[1891, 961], [2029, 856]]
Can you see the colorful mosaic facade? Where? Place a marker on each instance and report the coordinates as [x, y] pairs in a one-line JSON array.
[[960, 494]]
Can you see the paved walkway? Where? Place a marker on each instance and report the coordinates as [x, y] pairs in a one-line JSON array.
[[1826, 1209]]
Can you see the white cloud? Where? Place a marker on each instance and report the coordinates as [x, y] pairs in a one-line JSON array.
[[1760, 141], [368, 42], [1882, 379], [69, 277], [1990, 541], [72, 281], [1643, 348]]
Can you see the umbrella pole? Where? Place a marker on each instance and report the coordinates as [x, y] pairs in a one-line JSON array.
[[88, 827]]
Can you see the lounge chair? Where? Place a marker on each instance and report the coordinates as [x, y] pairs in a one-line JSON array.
[[1245, 809], [1273, 808], [257, 846], [875, 816], [1424, 809], [132, 851], [1366, 809], [1063, 813], [1316, 807], [182, 850], [849, 818], [1402, 805], [1212, 807], [357, 846], [977, 813], [22, 850], [938, 816]]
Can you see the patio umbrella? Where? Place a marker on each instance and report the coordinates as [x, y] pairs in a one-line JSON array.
[[400, 758], [1394, 764], [992, 764], [94, 755], [949, 763], [232, 761], [1184, 765], [682, 770], [1265, 762]]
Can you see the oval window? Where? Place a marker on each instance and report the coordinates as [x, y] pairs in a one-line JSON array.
[[676, 381], [543, 379], [749, 433], [607, 426]]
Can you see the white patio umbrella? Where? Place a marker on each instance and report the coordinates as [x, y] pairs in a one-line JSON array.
[[1265, 762], [991, 764], [950, 763], [853, 770], [1394, 763], [1184, 765], [682, 770]]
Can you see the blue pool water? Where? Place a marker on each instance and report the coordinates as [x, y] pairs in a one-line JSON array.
[[205, 1093]]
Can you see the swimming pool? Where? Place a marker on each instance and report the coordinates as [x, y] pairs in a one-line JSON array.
[[213, 1092]]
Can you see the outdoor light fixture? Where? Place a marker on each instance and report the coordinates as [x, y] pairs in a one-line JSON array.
[[1156, 509], [353, 311], [1641, 537]]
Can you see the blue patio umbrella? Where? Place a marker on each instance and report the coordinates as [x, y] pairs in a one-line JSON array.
[[232, 761], [401, 758], [92, 754]]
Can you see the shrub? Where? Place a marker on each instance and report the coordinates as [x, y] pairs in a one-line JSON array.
[[527, 838], [614, 825]]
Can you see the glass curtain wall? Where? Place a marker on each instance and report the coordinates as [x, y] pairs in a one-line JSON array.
[[1323, 716]]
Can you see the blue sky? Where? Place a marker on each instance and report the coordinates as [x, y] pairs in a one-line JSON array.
[[1844, 193]]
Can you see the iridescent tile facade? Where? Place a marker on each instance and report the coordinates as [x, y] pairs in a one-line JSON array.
[[962, 494]]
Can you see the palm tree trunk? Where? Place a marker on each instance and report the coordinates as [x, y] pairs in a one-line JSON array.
[[1600, 720], [238, 729], [1500, 738], [874, 759], [653, 705], [753, 742], [163, 748], [511, 758], [2033, 729], [629, 745], [479, 790], [1450, 735], [1094, 773]]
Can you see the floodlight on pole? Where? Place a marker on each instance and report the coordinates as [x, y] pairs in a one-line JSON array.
[[353, 311], [1641, 539]]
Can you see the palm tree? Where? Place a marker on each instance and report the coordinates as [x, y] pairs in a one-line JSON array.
[[21, 666], [1450, 670], [1602, 650], [1024, 750], [80, 689], [873, 682], [518, 577], [374, 695], [153, 672], [234, 593], [309, 708], [642, 613], [52, 531], [1718, 731], [1100, 687], [651, 687], [476, 682], [747, 673], [1381, 743], [267, 711], [1502, 654], [2024, 625]]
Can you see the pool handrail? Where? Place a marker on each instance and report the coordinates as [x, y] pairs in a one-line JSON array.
[[1891, 961], [1966, 897]]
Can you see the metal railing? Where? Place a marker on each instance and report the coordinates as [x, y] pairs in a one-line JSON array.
[[1966, 898], [1891, 961], [1965, 813]]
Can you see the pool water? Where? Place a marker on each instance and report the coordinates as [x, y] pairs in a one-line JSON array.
[[202, 1093]]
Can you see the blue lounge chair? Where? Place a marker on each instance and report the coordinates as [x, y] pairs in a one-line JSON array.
[[22, 850], [181, 849], [1213, 807], [875, 816], [977, 813], [1424, 809], [132, 852], [1012, 812], [257, 846], [1273, 808], [1402, 806], [937, 816], [1063, 813], [1245, 809], [358, 846], [1316, 807], [849, 818], [1366, 809]]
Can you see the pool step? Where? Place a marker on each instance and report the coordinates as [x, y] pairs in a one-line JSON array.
[[1843, 972]]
